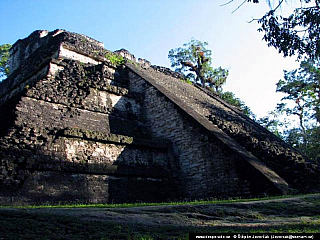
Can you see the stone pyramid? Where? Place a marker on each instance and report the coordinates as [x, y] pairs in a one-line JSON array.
[[79, 124]]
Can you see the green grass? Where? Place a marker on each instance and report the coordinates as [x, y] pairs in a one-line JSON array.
[[27, 223], [19, 225], [143, 204]]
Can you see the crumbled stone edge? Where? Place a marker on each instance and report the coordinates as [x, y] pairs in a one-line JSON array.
[[239, 112], [169, 72]]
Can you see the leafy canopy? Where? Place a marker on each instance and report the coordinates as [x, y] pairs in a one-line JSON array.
[[4, 56], [302, 86], [194, 61], [230, 98], [296, 34], [302, 102]]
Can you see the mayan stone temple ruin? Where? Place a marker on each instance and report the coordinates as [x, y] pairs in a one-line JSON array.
[[76, 127]]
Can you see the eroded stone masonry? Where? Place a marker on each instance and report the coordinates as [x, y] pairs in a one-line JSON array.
[[75, 127]]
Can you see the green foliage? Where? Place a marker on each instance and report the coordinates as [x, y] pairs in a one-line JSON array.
[[216, 78], [188, 53], [114, 58], [230, 98], [145, 237], [302, 100], [194, 61], [4, 56], [273, 123], [189, 82], [297, 34], [302, 87], [308, 142]]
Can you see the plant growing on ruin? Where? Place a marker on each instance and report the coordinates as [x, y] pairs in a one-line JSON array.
[[114, 58], [194, 61], [4, 57]]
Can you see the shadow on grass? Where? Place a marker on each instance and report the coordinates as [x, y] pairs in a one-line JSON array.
[[25, 225]]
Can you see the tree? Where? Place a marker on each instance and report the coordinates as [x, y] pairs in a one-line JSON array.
[[273, 123], [302, 86], [307, 142], [302, 89], [230, 98], [297, 34], [194, 61], [302, 100], [4, 56], [217, 78]]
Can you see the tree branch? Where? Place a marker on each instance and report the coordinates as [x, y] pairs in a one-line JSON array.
[[226, 3], [239, 6], [280, 2]]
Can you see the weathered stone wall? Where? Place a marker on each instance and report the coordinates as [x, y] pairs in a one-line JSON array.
[[270, 149], [22, 49], [204, 166], [71, 130], [66, 45], [31, 55], [280, 163], [81, 100], [55, 187]]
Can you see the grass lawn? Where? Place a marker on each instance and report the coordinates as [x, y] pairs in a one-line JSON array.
[[159, 221]]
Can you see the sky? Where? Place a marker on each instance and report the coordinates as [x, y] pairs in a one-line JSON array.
[[150, 28]]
